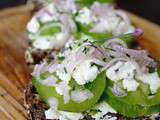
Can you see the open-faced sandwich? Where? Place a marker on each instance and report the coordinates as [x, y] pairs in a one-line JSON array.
[[97, 71], [59, 21]]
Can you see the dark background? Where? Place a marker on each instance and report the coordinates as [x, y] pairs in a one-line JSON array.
[[149, 9]]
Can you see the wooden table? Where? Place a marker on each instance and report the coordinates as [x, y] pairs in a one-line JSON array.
[[14, 73]]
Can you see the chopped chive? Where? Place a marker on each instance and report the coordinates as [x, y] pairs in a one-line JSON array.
[[65, 70]]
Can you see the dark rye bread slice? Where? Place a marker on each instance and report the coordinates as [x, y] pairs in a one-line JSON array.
[[35, 56], [36, 108]]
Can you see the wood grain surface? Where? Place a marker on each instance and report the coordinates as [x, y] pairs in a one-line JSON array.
[[14, 73]]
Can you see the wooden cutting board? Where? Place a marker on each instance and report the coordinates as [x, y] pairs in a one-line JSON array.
[[14, 73]]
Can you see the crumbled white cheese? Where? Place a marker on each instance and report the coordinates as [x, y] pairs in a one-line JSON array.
[[127, 70], [130, 84], [63, 88], [51, 114], [39, 69], [154, 116], [113, 72], [66, 6], [33, 26], [109, 23], [62, 115], [123, 28], [121, 70], [46, 18], [80, 96], [49, 42], [53, 103], [59, 36], [50, 81], [42, 43], [84, 16], [69, 42], [104, 108], [124, 71], [50, 15], [85, 73], [70, 115], [101, 27], [119, 26], [152, 79], [59, 90], [63, 76], [59, 40], [112, 22]]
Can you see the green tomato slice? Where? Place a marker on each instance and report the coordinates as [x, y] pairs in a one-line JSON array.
[[97, 36], [96, 87], [135, 98], [100, 38], [49, 29], [128, 109], [139, 97], [90, 2]]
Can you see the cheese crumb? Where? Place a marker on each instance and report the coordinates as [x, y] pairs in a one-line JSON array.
[[59, 40], [85, 73], [124, 71], [130, 85], [50, 81], [84, 16], [33, 26], [152, 79], [51, 114], [70, 116], [104, 108], [113, 72], [121, 70], [42, 43], [63, 76], [62, 115], [80, 96], [53, 103], [63, 88], [49, 13]]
